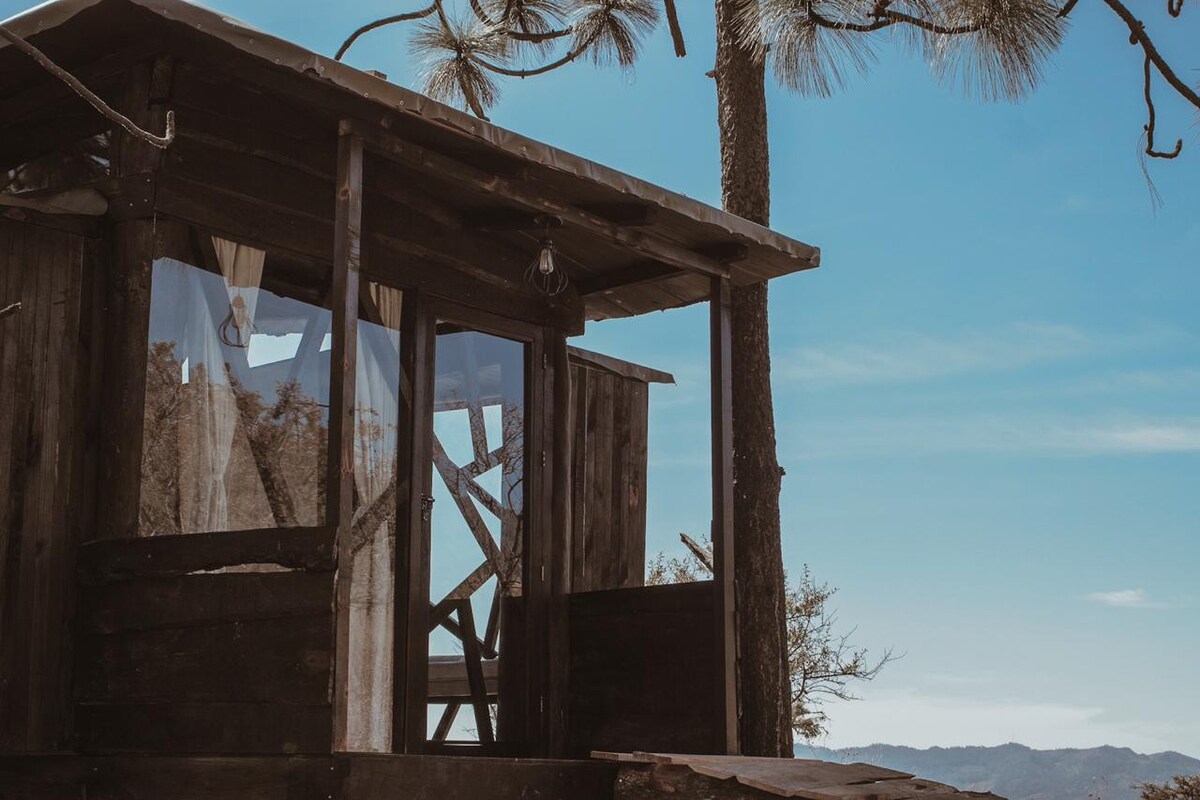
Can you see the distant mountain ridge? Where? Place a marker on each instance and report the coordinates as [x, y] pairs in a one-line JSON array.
[[1021, 773]]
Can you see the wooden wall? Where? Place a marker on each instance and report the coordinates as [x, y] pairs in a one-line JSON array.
[[50, 266], [206, 643], [643, 670], [610, 411]]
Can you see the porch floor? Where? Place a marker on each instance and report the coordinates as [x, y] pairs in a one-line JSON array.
[[335, 777]]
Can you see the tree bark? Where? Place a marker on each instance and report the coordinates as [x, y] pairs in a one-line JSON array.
[[745, 189]]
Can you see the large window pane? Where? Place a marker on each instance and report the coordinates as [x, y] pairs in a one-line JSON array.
[[237, 389]]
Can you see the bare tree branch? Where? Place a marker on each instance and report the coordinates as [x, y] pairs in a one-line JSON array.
[[380, 23], [699, 551], [1067, 9], [1137, 35], [161, 142], [676, 30], [1150, 151]]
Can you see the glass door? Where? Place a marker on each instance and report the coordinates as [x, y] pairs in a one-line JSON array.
[[476, 531]]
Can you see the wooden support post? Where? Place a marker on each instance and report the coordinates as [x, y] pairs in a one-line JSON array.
[[561, 526], [721, 344], [339, 494], [127, 312], [414, 507]]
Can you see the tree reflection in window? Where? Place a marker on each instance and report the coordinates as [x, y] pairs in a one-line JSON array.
[[237, 388]]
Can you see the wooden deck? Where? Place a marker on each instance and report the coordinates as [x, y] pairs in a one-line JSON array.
[[652, 775], [339, 777]]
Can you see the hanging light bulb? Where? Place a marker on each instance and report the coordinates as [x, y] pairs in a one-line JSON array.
[[543, 274], [546, 257]]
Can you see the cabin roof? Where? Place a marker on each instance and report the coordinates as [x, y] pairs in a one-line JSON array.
[[631, 246]]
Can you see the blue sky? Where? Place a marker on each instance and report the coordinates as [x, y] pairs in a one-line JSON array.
[[987, 396]]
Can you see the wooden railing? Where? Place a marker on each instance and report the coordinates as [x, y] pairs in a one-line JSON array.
[[206, 643]]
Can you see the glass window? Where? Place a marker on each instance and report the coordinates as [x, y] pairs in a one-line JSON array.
[[237, 389], [476, 535]]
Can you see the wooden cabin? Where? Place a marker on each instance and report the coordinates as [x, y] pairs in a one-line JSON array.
[[303, 492]]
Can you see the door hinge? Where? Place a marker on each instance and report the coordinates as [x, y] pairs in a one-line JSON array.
[[545, 360], [543, 458]]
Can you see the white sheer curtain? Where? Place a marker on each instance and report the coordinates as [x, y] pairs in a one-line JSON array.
[[372, 568], [212, 406]]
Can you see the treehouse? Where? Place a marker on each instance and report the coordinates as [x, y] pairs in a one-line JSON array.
[[305, 493]]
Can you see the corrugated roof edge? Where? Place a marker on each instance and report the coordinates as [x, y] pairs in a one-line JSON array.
[[284, 53]]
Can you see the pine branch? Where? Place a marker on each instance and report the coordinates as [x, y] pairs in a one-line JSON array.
[[161, 142]]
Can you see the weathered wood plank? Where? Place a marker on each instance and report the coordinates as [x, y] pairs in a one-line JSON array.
[[337, 777], [178, 601], [308, 549], [639, 659], [282, 661], [437, 777], [42, 368], [643, 776], [204, 728]]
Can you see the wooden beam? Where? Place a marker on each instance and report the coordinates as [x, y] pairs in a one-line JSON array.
[[725, 616], [347, 256], [529, 196], [625, 278], [631, 215]]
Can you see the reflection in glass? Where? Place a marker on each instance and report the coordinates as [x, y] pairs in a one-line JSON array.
[[237, 389], [476, 547], [373, 531]]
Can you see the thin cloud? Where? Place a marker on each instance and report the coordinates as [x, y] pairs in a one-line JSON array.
[[1124, 598], [909, 357], [913, 357], [1046, 435]]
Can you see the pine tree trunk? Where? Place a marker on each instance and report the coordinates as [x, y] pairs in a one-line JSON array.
[[745, 184]]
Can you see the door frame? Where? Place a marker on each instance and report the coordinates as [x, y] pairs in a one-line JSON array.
[[524, 718]]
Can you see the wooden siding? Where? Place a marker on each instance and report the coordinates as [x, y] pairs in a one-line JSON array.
[[45, 352], [608, 550], [206, 643], [642, 670]]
